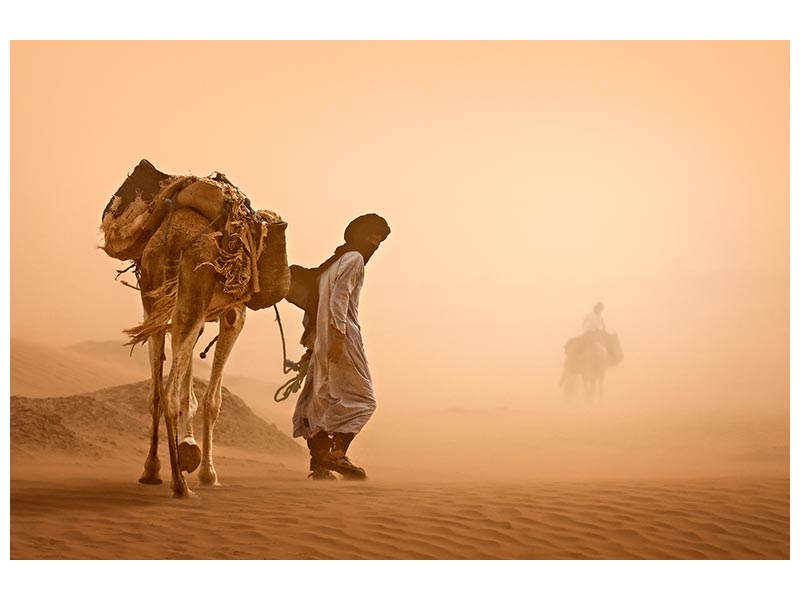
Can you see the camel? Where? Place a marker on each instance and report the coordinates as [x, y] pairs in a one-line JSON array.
[[183, 286], [593, 365], [589, 358]]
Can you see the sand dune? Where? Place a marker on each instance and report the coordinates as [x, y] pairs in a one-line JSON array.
[[115, 422], [115, 352], [39, 371]]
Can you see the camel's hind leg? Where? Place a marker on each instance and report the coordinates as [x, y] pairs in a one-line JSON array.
[[184, 334], [230, 325], [194, 294], [152, 465], [188, 449]]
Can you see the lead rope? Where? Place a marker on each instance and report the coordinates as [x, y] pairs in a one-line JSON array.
[[294, 384]]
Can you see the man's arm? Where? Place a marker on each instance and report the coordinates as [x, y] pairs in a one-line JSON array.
[[350, 269]]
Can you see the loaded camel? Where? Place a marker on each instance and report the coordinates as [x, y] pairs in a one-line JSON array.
[[201, 254], [590, 356]]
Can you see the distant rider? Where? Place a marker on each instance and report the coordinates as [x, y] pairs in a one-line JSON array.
[[593, 322]]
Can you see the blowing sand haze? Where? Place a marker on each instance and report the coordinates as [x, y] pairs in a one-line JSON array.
[[573, 345]]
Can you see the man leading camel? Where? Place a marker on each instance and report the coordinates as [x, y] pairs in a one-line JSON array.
[[338, 398]]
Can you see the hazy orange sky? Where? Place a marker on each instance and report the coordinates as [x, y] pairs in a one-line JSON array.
[[523, 181]]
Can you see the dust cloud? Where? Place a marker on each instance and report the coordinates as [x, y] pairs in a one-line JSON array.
[[523, 182]]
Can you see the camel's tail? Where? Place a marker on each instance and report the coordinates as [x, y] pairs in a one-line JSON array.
[[160, 316]]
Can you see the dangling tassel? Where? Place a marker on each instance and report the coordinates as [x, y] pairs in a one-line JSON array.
[[211, 343]]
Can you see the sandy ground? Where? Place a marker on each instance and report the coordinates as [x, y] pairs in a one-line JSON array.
[[267, 510], [638, 476]]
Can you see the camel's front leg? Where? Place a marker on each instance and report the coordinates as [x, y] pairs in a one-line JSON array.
[[152, 466], [230, 325]]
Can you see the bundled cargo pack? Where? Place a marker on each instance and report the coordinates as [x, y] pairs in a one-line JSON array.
[[252, 263]]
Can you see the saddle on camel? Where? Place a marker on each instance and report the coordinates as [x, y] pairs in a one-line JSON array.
[[200, 253]]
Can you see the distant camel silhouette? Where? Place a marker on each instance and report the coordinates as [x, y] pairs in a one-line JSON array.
[[588, 357]]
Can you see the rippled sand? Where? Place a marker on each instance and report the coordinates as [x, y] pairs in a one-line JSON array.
[[270, 511]]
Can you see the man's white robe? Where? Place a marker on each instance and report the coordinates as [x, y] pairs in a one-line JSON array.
[[337, 397]]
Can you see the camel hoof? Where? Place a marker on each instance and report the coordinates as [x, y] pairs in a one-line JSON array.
[[208, 477], [181, 491], [186, 494], [189, 455], [148, 479]]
